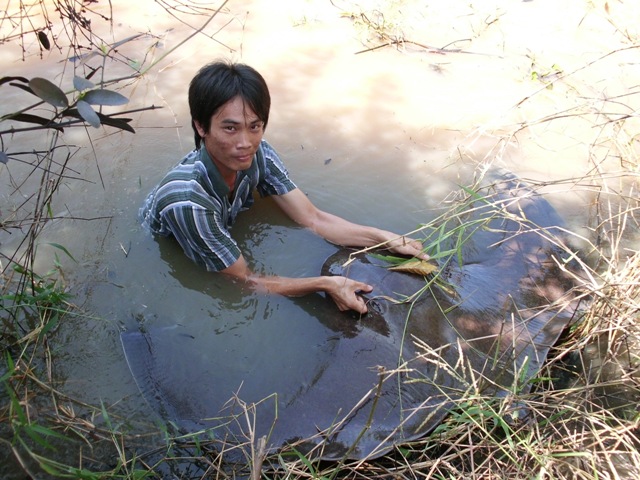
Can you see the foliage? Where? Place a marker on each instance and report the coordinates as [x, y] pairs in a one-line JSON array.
[[38, 424], [52, 94]]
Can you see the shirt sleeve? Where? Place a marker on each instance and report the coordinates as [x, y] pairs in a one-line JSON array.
[[274, 176], [202, 235]]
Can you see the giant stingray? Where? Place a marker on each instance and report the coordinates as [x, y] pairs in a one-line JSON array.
[[482, 324]]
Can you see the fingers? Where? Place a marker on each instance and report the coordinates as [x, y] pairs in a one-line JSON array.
[[346, 295], [409, 246], [363, 287], [422, 256], [357, 304], [360, 304]]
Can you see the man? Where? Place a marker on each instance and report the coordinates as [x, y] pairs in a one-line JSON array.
[[199, 199]]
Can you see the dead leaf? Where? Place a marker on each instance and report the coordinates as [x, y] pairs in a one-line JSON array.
[[415, 266]]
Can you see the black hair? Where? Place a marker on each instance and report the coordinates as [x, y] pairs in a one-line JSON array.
[[217, 83]]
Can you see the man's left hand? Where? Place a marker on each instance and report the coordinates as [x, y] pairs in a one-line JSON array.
[[408, 246]]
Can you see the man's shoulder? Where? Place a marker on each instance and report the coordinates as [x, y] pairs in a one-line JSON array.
[[266, 148], [188, 182], [273, 173], [190, 158], [268, 157], [188, 166]]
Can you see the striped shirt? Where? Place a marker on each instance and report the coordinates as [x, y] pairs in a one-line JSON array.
[[192, 204]]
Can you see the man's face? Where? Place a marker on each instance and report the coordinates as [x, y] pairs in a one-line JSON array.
[[233, 137]]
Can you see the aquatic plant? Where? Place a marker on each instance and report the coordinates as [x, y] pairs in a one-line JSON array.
[[38, 423]]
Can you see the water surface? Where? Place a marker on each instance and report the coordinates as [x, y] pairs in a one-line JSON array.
[[380, 138]]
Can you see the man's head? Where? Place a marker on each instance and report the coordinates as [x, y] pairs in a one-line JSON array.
[[219, 82]]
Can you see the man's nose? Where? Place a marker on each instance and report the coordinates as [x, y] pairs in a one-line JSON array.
[[244, 140]]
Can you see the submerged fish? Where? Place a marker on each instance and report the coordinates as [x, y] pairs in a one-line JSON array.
[[354, 388]]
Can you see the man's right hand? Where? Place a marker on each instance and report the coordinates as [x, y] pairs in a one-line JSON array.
[[342, 290], [344, 293]]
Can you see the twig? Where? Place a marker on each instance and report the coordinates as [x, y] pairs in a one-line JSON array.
[[258, 455], [429, 49]]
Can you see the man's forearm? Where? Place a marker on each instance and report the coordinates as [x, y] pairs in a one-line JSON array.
[[345, 233], [290, 287], [331, 227], [343, 291], [342, 232]]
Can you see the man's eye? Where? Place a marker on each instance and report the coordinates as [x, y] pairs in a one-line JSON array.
[[230, 129]]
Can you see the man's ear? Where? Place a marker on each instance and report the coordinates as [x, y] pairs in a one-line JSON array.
[[199, 128]]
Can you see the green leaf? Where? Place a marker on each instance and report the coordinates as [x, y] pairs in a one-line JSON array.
[[474, 194], [48, 92], [46, 432], [34, 435], [10, 368], [105, 97], [49, 325], [121, 123], [80, 84], [126, 40], [105, 415], [22, 87], [29, 118], [84, 58], [305, 461], [11, 79], [44, 40], [88, 113], [63, 249]]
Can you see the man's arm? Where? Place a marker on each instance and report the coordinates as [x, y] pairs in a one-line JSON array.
[[342, 290], [340, 231]]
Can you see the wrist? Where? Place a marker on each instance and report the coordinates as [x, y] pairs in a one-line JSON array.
[[327, 284]]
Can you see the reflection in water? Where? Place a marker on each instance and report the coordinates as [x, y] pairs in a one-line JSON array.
[[217, 287]]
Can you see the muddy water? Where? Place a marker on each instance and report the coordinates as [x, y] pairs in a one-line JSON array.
[[380, 137]]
